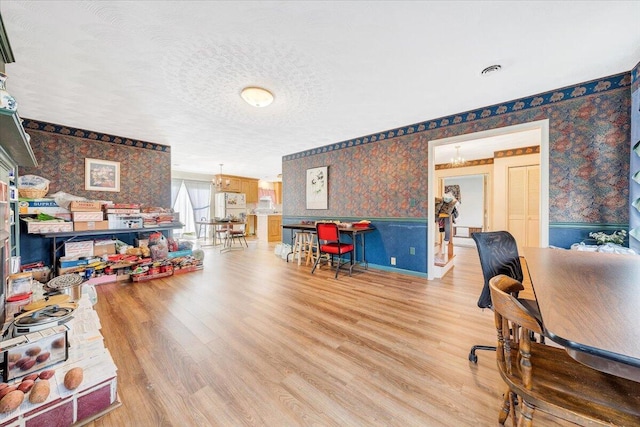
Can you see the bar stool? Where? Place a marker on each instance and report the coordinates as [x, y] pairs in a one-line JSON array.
[[311, 248], [298, 246]]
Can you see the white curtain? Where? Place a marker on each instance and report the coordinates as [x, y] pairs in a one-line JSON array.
[[175, 187], [183, 206], [200, 196]]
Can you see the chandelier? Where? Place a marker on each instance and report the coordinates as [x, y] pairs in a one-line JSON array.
[[457, 160], [219, 183]]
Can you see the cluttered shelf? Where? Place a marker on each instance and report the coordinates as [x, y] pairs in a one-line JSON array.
[[115, 231]]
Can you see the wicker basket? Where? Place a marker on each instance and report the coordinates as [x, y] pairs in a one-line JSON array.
[[32, 193]]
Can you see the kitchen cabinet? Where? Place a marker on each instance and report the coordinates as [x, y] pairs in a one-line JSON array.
[[269, 228], [250, 188], [238, 184], [275, 228], [277, 186]]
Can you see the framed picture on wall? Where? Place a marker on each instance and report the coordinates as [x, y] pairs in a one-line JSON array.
[[101, 175], [317, 188]]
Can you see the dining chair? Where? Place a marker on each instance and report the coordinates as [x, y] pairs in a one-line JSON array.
[[545, 378], [498, 252], [329, 243], [237, 232]]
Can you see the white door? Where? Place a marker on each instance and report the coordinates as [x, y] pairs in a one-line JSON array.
[[523, 205]]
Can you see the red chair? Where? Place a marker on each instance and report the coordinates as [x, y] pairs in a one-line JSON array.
[[329, 243]]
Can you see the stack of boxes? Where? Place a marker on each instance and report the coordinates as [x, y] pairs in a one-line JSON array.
[[123, 215], [87, 216]]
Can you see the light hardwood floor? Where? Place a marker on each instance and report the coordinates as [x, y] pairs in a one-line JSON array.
[[252, 340]]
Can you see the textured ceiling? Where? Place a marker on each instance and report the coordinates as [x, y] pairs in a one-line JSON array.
[[171, 71]]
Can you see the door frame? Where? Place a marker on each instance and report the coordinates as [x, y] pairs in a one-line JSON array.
[[543, 126]]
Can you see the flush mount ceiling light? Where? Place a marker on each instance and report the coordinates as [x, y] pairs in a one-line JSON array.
[[491, 69], [257, 96]]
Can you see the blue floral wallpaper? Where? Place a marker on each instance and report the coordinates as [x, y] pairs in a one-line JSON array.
[[384, 175], [145, 167]]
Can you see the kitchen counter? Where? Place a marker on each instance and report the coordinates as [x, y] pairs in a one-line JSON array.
[[269, 228]]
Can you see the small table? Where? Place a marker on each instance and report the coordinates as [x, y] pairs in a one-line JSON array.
[[352, 232], [227, 225], [589, 304]]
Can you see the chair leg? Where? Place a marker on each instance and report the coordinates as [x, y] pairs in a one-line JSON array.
[[526, 414], [507, 404], [316, 263], [472, 354]]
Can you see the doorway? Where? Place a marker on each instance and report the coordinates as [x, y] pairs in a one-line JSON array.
[[472, 209], [542, 184]]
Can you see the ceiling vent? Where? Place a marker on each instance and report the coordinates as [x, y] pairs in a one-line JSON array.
[[491, 69]]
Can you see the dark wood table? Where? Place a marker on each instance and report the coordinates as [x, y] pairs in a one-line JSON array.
[[352, 232], [590, 304]]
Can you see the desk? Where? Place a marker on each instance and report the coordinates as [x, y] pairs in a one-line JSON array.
[[589, 304], [352, 232]]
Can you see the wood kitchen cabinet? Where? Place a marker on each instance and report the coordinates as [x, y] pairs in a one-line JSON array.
[[275, 228], [230, 184], [277, 186], [250, 188], [239, 184], [269, 228]]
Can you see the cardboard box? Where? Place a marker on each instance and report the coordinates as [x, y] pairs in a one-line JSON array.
[[83, 248], [42, 227], [104, 247], [36, 206], [142, 242], [118, 222], [90, 225], [85, 206], [41, 274], [87, 216], [67, 263]]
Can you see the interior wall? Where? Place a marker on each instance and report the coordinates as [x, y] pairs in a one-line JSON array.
[[145, 168], [634, 182], [383, 176]]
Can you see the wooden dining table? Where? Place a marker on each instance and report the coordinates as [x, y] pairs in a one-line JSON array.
[[590, 304]]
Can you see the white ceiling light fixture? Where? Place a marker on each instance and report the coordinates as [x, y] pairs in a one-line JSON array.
[[458, 160], [257, 96]]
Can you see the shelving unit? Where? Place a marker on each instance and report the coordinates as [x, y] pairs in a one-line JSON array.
[[71, 235]]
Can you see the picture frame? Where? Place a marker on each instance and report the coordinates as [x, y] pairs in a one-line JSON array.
[[317, 186], [101, 175]]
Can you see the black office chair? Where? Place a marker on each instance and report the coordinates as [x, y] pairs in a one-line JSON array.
[[498, 253]]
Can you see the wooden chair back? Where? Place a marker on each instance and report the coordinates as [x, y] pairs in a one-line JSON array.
[[546, 378]]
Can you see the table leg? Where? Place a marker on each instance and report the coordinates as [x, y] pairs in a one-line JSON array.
[[355, 253]]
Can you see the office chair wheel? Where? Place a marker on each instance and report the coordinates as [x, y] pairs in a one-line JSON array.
[[473, 357]]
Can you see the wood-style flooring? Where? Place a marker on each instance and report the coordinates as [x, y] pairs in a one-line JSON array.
[[254, 341]]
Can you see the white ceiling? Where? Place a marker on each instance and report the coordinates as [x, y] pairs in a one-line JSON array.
[[171, 71]]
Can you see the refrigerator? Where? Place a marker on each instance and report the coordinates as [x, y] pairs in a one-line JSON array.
[[230, 206]]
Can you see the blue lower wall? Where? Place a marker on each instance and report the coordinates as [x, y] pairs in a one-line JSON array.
[[391, 238], [396, 237], [563, 235]]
